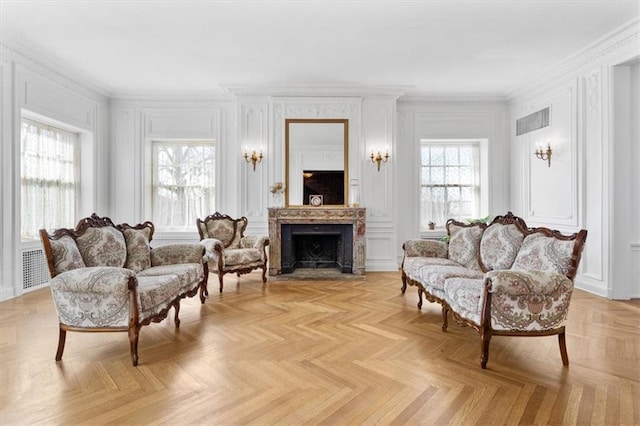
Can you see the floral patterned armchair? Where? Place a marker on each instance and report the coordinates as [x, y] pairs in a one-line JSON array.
[[228, 249], [106, 277], [501, 279]]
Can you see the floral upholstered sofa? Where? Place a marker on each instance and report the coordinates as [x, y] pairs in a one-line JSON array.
[[502, 279], [106, 277]]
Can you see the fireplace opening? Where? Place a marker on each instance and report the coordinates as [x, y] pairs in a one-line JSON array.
[[317, 246]]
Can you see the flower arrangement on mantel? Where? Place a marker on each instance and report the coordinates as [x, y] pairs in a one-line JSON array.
[[277, 189]]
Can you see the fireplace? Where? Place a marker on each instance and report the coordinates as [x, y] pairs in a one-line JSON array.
[[317, 238], [317, 246]]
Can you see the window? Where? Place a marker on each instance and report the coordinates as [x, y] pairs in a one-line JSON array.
[[449, 181], [49, 178], [183, 179]]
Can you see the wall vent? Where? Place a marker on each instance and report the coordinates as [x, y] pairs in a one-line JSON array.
[[35, 271], [532, 122]]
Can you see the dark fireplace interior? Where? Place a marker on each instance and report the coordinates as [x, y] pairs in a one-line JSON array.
[[328, 183], [317, 246]]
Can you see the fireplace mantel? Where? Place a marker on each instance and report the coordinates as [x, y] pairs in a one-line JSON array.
[[354, 216]]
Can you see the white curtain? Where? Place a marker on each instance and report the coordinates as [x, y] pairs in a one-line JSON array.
[[183, 183], [48, 178], [449, 182]]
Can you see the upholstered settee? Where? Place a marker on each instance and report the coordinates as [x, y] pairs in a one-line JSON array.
[[106, 277], [228, 249], [502, 279]]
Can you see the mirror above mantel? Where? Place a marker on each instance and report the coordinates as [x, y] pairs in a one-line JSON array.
[[316, 161]]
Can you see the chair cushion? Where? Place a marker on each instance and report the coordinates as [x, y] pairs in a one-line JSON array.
[[436, 275], [155, 293], [188, 274], [544, 253], [138, 250], [413, 265], [103, 246], [464, 244], [241, 256], [66, 255], [464, 295], [499, 246]]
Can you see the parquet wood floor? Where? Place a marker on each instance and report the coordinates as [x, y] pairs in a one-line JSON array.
[[318, 352]]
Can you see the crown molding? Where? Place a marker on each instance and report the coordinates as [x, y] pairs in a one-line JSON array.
[[194, 97], [452, 97], [615, 41], [62, 72], [314, 90]]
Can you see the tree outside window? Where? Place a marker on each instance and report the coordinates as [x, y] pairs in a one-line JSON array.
[[183, 183]]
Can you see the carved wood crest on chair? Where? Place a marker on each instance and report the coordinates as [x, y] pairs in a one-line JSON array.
[[228, 249]]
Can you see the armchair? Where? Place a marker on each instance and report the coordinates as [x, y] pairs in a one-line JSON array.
[[227, 248]]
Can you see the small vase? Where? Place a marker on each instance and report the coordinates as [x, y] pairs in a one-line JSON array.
[[354, 193]]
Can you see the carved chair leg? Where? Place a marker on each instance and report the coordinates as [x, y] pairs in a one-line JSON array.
[[264, 274], [220, 275], [176, 308], [203, 292], [445, 318], [62, 338], [134, 332], [563, 348], [404, 283], [419, 298], [484, 348]]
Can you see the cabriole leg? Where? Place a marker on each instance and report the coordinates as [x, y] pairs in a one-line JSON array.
[[404, 283], [133, 341], [445, 318], [176, 307], [484, 356], [419, 298], [62, 338], [563, 348], [220, 275]]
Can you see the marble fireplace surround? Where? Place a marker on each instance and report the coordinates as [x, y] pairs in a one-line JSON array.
[[355, 217]]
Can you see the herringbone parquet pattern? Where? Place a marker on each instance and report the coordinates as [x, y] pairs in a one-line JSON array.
[[318, 352]]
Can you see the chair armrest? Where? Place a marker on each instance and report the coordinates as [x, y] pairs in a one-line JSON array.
[[94, 297], [254, 241], [174, 254], [528, 300], [425, 248]]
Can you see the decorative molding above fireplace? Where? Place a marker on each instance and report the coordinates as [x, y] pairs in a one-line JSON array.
[[355, 217]]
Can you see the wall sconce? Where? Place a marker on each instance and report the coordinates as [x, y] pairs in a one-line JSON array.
[[254, 158], [378, 158], [544, 155]]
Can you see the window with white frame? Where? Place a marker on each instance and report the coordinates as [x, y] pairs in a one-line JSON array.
[[183, 183], [49, 178], [449, 181]]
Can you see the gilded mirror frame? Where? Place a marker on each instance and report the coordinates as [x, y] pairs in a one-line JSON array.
[[345, 142]]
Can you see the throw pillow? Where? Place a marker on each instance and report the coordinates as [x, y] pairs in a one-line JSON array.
[[544, 253], [66, 255], [499, 246], [138, 249], [464, 244]]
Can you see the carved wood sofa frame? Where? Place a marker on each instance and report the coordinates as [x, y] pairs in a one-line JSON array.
[[484, 328], [135, 321]]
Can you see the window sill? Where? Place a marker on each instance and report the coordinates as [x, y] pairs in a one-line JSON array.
[[436, 234]]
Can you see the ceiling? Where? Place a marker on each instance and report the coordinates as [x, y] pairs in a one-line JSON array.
[[432, 48]]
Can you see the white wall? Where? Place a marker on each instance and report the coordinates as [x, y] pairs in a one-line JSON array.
[[588, 183], [635, 178], [30, 83], [135, 123]]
